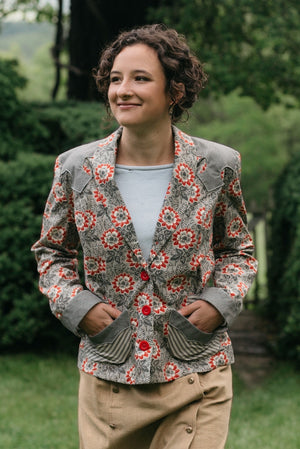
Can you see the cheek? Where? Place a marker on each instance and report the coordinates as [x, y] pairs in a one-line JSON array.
[[110, 94]]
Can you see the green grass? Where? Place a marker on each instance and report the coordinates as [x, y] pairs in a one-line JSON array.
[[38, 406], [267, 417]]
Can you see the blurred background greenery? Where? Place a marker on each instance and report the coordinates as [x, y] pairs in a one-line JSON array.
[[48, 104]]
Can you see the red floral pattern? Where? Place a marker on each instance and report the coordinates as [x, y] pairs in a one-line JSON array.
[[235, 187], [169, 218], [54, 293], [120, 216], [204, 217], [159, 305], [93, 265], [171, 371], [59, 193], [184, 174], [221, 209], [134, 258], [56, 234], [233, 269], [195, 193], [161, 260], [100, 198], [103, 173], [184, 238], [123, 283], [66, 273], [176, 283], [142, 299], [156, 350], [111, 239], [218, 359], [82, 221], [235, 227], [130, 375]]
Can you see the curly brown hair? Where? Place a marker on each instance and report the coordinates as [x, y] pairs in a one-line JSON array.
[[180, 66]]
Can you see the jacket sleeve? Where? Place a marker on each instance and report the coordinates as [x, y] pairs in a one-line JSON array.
[[56, 254], [235, 266]]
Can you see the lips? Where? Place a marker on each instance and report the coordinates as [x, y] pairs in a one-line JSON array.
[[127, 105]]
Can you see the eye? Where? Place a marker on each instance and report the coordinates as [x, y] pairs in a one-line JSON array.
[[114, 79], [142, 78]]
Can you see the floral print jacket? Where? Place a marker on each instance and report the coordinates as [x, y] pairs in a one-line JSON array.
[[201, 250]]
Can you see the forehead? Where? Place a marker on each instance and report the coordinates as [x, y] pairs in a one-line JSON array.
[[137, 56]]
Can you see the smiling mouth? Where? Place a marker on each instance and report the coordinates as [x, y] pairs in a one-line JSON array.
[[128, 105]]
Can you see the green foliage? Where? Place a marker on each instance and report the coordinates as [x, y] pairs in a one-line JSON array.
[[70, 124], [265, 139], [24, 314], [25, 7], [249, 44], [19, 126], [31, 137], [284, 264]]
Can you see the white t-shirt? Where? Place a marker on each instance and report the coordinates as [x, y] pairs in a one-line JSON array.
[[143, 189]]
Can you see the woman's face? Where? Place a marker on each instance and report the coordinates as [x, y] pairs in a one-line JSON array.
[[137, 92]]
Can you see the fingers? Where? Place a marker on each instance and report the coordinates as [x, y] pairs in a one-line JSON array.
[[202, 315], [111, 311], [98, 318], [189, 309]]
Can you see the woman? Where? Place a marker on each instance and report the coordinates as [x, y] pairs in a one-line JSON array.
[[167, 257]]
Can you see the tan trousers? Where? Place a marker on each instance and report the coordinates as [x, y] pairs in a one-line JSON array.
[[189, 413]]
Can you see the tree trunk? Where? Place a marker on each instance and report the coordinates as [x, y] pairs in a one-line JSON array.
[[57, 48], [94, 23]]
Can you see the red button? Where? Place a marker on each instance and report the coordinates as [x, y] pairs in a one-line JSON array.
[[146, 310], [144, 345], [145, 276]]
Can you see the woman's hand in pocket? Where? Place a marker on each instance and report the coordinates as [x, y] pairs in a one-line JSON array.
[[98, 318], [202, 315]]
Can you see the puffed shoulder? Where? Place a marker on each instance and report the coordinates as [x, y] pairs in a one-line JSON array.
[[216, 154], [75, 157], [73, 161], [214, 158]]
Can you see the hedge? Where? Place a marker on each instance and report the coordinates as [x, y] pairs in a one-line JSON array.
[[31, 137], [283, 306]]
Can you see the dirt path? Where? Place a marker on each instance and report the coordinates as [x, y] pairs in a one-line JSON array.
[[250, 337]]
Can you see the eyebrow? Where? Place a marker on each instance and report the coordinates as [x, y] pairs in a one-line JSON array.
[[113, 72]]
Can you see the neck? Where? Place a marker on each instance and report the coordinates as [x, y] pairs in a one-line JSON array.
[[154, 147]]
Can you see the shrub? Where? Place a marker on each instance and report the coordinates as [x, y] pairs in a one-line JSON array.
[[24, 314], [19, 125], [71, 123], [284, 264], [32, 136]]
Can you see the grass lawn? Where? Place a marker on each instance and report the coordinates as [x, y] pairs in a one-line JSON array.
[[267, 417], [38, 407]]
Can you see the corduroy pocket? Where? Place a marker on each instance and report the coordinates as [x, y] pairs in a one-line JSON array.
[[114, 343], [186, 341]]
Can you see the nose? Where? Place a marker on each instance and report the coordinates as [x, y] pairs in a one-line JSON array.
[[124, 89]]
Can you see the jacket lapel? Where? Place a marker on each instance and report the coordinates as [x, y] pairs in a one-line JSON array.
[[103, 166], [181, 189], [177, 200]]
